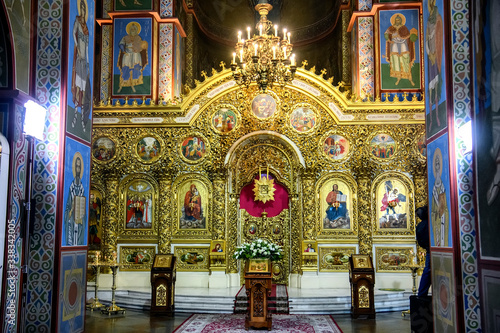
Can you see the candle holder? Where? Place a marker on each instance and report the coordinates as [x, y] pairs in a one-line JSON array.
[[95, 303], [113, 308], [414, 267]]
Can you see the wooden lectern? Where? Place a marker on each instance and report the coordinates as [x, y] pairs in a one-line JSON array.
[[258, 284], [362, 279], [163, 284]]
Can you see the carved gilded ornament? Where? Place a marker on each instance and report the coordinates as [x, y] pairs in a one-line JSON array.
[[276, 229], [420, 147], [393, 212], [363, 297], [264, 188], [138, 213], [338, 103], [161, 295]]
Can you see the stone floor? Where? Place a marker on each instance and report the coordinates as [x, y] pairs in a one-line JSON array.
[[138, 321]]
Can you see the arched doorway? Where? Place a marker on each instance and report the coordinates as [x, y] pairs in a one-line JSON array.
[[256, 154]]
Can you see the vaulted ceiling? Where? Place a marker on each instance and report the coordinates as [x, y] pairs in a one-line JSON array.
[[308, 20], [315, 26]]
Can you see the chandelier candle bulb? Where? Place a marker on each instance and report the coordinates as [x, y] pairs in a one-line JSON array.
[[260, 29], [275, 30], [239, 36], [241, 55], [234, 58], [256, 47], [284, 52], [284, 34], [274, 52], [292, 59], [288, 37], [248, 32]]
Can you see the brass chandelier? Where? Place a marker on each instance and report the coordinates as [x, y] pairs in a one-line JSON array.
[[264, 58]]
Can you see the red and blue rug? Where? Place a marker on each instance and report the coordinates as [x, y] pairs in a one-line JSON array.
[[221, 323]]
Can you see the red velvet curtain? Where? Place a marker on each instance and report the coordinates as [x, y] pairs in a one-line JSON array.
[[255, 208]]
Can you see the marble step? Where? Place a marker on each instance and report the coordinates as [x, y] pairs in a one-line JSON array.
[[317, 302]]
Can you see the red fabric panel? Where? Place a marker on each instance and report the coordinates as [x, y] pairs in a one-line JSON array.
[[255, 208]]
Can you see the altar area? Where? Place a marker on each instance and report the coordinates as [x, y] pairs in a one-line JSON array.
[[347, 184], [303, 164]]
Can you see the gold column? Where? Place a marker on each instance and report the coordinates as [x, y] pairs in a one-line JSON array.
[[110, 221], [364, 213], [165, 214], [219, 202], [309, 231], [296, 223], [420, 179], [232, 229]]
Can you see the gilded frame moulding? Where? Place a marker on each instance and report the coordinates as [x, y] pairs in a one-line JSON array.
[[229, 108], [136, 258], [198, 204], [263, 107], [345, 212], [190, 147], [372, 149], [382, 187], [420, 147], [334, 151], [150, 145], [394, 259], [127, 195], [335, 259], [101, 152], [192, 258], [315, 118]]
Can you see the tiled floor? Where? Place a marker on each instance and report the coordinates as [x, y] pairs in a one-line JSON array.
[[136, 321]]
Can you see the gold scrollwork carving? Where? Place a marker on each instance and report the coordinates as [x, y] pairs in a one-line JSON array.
[[277, 230], [161, 295]]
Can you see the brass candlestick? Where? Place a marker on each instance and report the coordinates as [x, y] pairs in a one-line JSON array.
[[95, 303], [414, 267], [113, 308]]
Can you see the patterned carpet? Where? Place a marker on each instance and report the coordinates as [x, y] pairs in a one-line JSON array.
[[235, 323]]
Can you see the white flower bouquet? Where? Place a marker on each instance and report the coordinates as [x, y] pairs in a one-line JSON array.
[[259, 249]]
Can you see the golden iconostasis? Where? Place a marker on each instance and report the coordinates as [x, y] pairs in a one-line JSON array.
[[171, 175]]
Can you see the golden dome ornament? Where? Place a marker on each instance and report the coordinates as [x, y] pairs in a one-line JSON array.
[[264, 188]]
